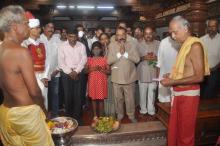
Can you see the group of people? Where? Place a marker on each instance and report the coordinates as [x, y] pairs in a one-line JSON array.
[[106, 68]]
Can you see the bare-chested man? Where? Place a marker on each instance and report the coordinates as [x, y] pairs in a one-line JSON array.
[[21, 115], [189, 70]]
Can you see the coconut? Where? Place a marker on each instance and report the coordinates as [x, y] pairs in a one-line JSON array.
[[115, 125]]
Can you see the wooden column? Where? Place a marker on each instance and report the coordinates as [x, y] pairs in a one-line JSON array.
[[197, 15]]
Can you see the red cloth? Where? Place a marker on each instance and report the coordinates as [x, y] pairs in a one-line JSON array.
[[97, 81], [29, 15], [218, 141], [182, 122], [38, 56]]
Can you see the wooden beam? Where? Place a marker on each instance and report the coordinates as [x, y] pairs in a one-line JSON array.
[[139, 8], [172, 10], [31, 6], [146, 8], [41, 2], [101, 2], [34, 4]]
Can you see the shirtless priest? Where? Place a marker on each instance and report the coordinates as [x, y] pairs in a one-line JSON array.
[[189, 70], [21, 114]]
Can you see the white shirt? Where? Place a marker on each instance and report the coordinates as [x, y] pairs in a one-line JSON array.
[[29, 41], [51, 47], [166, 56], [213, 49], [91, 41]]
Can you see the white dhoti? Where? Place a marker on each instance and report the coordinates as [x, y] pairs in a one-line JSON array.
[[164, 93], [43, 89]]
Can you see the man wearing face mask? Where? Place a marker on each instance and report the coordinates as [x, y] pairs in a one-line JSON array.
[[122, 57], [212, 43], [82, 38], [71, 73], [84, 77]]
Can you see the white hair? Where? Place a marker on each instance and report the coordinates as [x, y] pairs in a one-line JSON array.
[[207, 21], [10, 14], [182, 21]]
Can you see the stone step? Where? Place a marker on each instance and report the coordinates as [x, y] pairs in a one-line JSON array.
[[138, 134]]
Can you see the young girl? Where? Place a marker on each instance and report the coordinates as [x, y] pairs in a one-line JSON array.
[[97, 69]]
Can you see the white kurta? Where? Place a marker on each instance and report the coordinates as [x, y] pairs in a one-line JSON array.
[[213, 49], [166, 58], [146, 73], [51, 47], [38, 75]]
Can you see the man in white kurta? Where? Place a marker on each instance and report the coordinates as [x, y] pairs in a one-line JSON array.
[[148, 49], [51, 43], [165, 60]]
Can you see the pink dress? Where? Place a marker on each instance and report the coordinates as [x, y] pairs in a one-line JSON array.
[[97, 81]]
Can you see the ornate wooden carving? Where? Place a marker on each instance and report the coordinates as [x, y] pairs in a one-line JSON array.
[[213, 10], [197, 15]]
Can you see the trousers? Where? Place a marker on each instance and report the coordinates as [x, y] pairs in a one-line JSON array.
[[147, 97], [182, 121], [124, 94]]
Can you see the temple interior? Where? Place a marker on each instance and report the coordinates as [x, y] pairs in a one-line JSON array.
[[149, 130]]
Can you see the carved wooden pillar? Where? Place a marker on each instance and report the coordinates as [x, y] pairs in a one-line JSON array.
[[197, 15]]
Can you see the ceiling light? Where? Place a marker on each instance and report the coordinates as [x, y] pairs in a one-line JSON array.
[[115, 12], [61, 7], [105, 7], [85, 7], [71, 7]]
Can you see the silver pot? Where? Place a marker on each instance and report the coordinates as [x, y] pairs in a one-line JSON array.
[[64, 139]]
